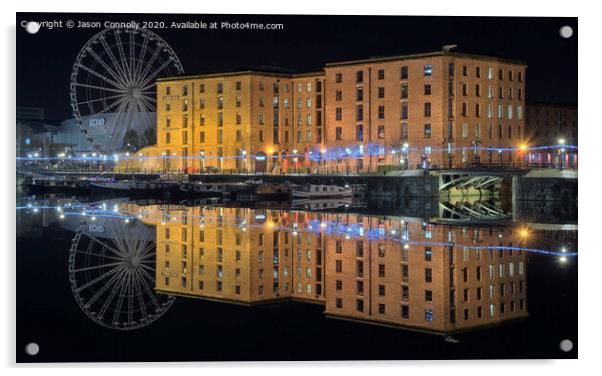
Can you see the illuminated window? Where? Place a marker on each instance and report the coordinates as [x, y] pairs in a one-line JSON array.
[[428, 70], [428, 314]]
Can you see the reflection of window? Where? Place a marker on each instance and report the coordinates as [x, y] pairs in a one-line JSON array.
[[428, 314], [381, 132]]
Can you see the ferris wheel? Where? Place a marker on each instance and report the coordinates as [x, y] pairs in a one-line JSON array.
[[113, 84], [113, 277]]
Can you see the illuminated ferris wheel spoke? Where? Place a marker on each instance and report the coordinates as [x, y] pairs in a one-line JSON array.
[[123, 59], [102, 77], [98, 279], [132, 46], [97, 267], [100, 99], [109, 51], [144, 110], [154, 74], [115, 251], [140, 60], [148, 249], [149, 64], [140, 298], [113, 74], [90, 253], [98, 87], [118, 251], [144, 282], [121, 298], [113, 283]]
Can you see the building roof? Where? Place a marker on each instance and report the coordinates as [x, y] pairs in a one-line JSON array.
[[283, 72], [259, 71], [382, 59]]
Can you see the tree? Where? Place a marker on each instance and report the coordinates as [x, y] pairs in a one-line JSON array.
[[132, 138], [150, 136]]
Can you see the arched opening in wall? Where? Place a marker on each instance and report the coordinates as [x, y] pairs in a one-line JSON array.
[[261, 162]]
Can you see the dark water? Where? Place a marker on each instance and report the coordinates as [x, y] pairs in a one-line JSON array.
[[284, 284]]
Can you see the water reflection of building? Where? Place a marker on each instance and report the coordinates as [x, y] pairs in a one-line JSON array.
[[388, 271], [237, 255], [428, 284]]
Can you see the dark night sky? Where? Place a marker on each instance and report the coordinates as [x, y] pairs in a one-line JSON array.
[[45, 59]]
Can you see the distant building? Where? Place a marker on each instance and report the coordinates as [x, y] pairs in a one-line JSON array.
[[550, 124], [71, 136], [35, 134]]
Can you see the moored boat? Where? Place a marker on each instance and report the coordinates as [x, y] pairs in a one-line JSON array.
[[321, 191]]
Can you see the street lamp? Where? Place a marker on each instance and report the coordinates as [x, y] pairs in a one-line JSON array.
[[523, 149], [477, 156], [244, 160], [324, 159], [203, 161], [127, 157], [561, 153], [405, 159]]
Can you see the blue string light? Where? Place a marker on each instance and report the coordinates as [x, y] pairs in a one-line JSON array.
[[333, 153]]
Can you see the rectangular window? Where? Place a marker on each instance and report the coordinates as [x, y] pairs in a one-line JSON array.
[[428, 275], [339, 133], [427, 131], [428, 253], [428, 70], [404, 91], [404, 130], [359, 76], [427, 109], [381, 112], [359, 305], [339, 78], [405, 312], [428, 314], [381, 132], [427, 89], [359, 94], [381, 92], [339, 113], [359, 113], [428, 296], [381, 74], [404, 110], [404, 73]]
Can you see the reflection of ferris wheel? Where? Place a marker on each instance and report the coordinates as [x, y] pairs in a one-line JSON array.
[[114, 74], [113, 279]]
